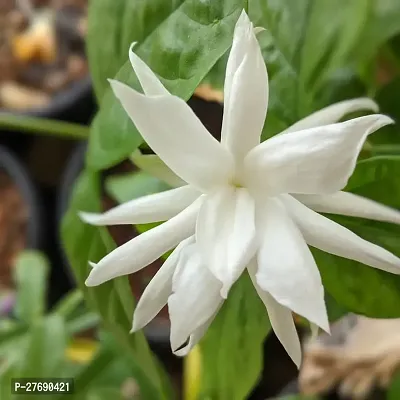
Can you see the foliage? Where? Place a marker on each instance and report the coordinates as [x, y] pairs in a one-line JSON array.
[[317, 52]]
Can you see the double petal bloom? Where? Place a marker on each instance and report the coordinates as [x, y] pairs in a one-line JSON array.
[[243, 205]]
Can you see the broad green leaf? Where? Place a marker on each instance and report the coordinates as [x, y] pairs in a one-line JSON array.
[[112, 300], [113, 26], [130, 186], [304, 47], [45, 353], [181, 51], [31, 273], [232, 349], [362, 289]]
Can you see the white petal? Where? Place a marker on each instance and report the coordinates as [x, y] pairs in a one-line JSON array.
[[156, 294], [153, 165], [225, 234], [326, 235], [144, 210], [150, 83], [174, 132], [286, 267], [333, 113], [350, 204], [145, 248], [281, 320], [313, 161], [246, 92], [195, 337], [196, 296]]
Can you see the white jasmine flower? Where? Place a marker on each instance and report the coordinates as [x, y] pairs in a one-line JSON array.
[[245, 204]]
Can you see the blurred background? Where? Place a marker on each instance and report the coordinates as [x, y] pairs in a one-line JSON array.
[[47, 103]]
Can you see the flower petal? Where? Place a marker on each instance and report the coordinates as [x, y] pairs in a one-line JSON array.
[[196, 296], [194, 338], [145, 248], [327, 235], [333, 113], [281, 320], [350, 204], [174, 132], [286, 267], [313, 161], [246, 92], [144, 210], [156, 294], [225, 234], [149, 81]]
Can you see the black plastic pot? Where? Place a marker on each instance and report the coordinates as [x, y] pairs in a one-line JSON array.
[[17, 172], [75, 103]]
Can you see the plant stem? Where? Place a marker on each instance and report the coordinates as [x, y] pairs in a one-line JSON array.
[[43, 126]]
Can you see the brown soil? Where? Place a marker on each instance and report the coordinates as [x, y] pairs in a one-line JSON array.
[[13, 227]]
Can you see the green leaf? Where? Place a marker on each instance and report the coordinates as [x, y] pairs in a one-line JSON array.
[[69, 303], [181, 51], [232, 349], [113, 26], [112, 300], [393, 392], [43, 126], [130, 186], [382, 24], [359, 288], [388, 98], [7, 372], [83, 322], [31, 273], [45, 353], [304, 47]]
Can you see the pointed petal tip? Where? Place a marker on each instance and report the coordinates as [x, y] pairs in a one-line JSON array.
[[88, 217], [92, 264], [258, 29], [131, 47]]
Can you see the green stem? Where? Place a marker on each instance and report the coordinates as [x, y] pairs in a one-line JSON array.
[[43, 126]]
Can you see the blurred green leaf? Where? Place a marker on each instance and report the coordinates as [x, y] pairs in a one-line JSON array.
[[43, 126], [393, 392], [181, 51], [362, 289], [7, 372], [83, 322], [388, 98], [31, 273], [132, 185], [112, 300], [232, 350], [11, 335], [382, 24], [45, 353], [69, 303]]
